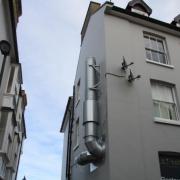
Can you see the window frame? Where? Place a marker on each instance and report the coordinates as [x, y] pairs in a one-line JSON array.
[[165, 53], [175, 102], [4, 115], [77, 95], [76, 134]]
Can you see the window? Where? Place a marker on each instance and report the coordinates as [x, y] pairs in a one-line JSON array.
[[169, 165], [78, 91], [3, 121], [155, 49], [2, 168], [164, 101], [76, 134], [9, 147], [11, 76]]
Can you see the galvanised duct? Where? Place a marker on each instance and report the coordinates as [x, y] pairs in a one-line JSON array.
[[96, 151]]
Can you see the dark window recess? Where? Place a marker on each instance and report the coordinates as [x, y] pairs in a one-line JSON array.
[[169, 165], [10, 79], [3, 121]]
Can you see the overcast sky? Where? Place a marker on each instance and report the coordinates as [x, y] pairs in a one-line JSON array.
[[49, 44]]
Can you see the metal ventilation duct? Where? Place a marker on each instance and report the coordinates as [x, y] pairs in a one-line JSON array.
[[96, 150]]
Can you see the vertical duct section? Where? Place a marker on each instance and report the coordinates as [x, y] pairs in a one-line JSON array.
[[96, 149]]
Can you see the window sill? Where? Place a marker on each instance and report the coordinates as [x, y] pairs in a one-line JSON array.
[[75, 147], [166, 121], [160, 64], [77, 102]]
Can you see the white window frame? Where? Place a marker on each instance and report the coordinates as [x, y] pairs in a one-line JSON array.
[[163, 120], [165, 53]]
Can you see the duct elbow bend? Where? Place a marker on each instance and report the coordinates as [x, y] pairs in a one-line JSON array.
[[95, 153], [95, 148], [85, 158]]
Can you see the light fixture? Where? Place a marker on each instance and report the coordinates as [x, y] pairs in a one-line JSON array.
[[5, 47]]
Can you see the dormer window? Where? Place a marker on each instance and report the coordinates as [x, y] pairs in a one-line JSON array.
[[139, 7]]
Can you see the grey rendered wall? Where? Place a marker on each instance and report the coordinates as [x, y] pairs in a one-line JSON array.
[[93, 46], [134, 137]]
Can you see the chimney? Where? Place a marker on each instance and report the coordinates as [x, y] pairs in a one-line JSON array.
[[176, 21], [139, 7]]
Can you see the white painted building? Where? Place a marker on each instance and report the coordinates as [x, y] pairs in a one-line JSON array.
[[12, 98]]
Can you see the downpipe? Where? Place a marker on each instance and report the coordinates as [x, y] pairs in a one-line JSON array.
[[95, 147]]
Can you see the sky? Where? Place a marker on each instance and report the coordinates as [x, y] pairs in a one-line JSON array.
[[49, 44]]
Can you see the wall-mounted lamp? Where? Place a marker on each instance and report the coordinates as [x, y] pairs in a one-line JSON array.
[[5, 49]]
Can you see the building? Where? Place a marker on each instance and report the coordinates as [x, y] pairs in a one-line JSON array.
[[12, 98], [122, 121]]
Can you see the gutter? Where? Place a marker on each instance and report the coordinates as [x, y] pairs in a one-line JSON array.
[[69, 148], [143, 20]]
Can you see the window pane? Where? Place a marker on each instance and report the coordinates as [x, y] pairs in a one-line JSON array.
[[160, 46], [172, 112], [147, 42], [162, 58], [155, 56], [163, 100], [162, 92], [154, 44], [156, 109], [148, 54], [170, 166], [164, 108], [157, 47]]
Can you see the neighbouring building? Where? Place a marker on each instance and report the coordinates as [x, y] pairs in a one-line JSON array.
[[123, 120], [12, 97]]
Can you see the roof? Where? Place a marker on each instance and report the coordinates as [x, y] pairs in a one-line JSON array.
[[93, 7], [65, 119], [117, 10], [136, 4]]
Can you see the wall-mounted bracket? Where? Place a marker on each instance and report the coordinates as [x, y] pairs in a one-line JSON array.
[[95, 87], [97, 70]]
